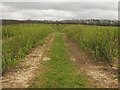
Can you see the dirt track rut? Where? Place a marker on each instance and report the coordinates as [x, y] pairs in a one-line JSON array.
[[100, 74], [20, 76]]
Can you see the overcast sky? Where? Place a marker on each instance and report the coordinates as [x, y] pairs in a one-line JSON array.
[[59, 10]]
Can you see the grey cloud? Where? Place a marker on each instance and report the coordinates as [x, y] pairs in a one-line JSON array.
[[71, 6], [59, 10]]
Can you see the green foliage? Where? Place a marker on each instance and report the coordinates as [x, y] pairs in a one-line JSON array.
[[101, 41], [23, 38]]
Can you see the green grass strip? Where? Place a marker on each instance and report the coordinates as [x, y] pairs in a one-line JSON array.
[[60, 72]]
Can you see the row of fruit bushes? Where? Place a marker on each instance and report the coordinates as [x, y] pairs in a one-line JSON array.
[[101, 41], [24, 38]]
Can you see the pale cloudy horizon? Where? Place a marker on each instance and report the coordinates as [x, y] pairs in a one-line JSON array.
[[59, 10]]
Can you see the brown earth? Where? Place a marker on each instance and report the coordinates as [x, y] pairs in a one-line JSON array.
[[21, 75], [100, 74]]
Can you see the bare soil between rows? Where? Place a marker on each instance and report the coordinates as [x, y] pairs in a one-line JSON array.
[[21, 75], [100, 74]]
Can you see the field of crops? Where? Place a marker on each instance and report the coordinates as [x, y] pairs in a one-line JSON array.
[[101, 41], [58, 54], [18, 40]]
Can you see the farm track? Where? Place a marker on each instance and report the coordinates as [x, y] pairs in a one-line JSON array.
[[100, 74], [20, 76]]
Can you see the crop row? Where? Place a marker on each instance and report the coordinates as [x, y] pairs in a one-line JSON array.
[[24, 38], [100, 41]]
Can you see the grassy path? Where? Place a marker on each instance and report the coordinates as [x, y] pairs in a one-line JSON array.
[[59, 71]]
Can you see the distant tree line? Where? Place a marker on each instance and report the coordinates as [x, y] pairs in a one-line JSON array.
[[86, 22], [100, 22]]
